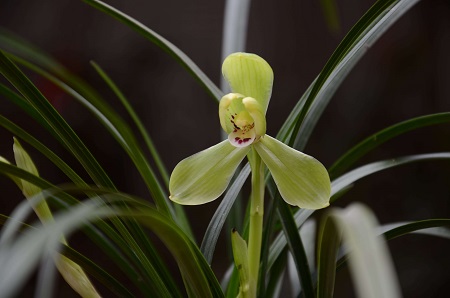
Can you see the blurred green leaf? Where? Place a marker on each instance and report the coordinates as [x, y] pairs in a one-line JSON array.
[[97, 272], [276, 280], [151, 272], [331, 14], [186, 253], [328, 246], [344, 182], [372, 269], [20, 255], [431, 227], [371, 266]]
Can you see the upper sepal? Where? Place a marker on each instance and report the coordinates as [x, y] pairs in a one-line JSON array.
[[203, 177], [301, 179], [250, 75]]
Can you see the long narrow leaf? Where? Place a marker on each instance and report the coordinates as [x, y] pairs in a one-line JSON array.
[[370, 263], [296, 247], [328, 247], [216, 224], [162, 43], [19, 257], [117, 128], [55, 121], [137, 121], [382, 136], [152, 270], [97, 272], [182, 249], [360, 38], [427, 227], [344, 182], [431, 227], [22, 134]]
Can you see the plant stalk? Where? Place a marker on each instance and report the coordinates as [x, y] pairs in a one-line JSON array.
[[256, 221]]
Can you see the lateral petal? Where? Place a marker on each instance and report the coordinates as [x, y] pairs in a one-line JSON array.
[[301, 179], [203, 177]]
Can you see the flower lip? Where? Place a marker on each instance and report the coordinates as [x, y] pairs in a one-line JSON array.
[[241, 138]]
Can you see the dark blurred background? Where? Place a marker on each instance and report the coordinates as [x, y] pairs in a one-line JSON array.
[[405, 74]]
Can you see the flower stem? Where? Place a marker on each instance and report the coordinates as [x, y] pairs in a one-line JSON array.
[[256, 221]]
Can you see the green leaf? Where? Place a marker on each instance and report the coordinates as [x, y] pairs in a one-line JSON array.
[[54, 120], [302, 180], [249, 75], [137, 121], [23, 104], [435, 227], [21, 254], [431, 227], [204, 176], [268, 234], [117, 127], [303, 118], [71, 271], [151, 272], [375, 140], [217, 221], [192, 265], [162, 43], [371, 266], [345, 180], [328, 246], [296, 247], [97, 272], [276, 281], [55, 159], [343, 183]]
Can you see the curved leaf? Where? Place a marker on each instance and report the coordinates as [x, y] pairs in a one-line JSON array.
[[296, 247], [162, 43], [117, 127], [218, 220], [356, 43], [371, 266], [54, 120], [344, 182], [382, 136]]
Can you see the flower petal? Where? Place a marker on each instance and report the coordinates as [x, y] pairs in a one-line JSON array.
[[250, 75], [301, 179], [203, 177]]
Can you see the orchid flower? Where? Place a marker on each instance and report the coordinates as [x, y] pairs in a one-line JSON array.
[[301, 180]]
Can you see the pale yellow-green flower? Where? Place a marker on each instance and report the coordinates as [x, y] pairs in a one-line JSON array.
[[203, 177]]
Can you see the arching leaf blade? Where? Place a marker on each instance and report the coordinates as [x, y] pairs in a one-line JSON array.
[[162, 43], [375, 140]]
